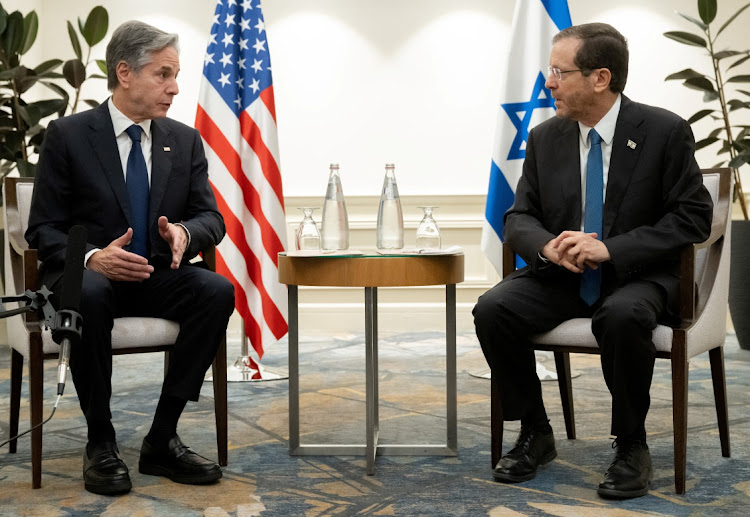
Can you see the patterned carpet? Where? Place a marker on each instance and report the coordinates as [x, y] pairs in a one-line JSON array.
[[262, 479]]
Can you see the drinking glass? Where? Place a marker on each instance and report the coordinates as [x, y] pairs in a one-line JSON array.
[[308, 236], [428, 233]]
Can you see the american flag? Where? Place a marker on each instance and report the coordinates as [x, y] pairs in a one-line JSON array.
[[237, 119]]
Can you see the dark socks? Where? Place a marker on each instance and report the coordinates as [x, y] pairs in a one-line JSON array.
[[536, 418], [164, 427], [100, 431]]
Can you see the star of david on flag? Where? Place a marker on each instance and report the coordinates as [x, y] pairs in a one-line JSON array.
[[524, 102]]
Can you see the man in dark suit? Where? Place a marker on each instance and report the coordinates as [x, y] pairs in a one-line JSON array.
[[617, 264], [138, 182]]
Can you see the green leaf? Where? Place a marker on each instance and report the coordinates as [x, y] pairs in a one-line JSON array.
[[47, 66], [30, 29], [97, 76], [74, 41], [684, 74], [63, 93], [739, 160], [699, 115], [707, 10], [739, 79], [74, 72], [731, 19], [3, 19], [699, 83], [96, 25], [48, 107], [92, 103], [699, 23], [739, 62], [13, 73], [736, 104], [705, 143], [687, 38], [13, 36], [26, 169], [710, 96], [102, 64], [715, 132], [80, 24], [727, 53]]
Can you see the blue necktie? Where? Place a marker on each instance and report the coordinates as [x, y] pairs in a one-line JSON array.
[[137, 182], [591, 280]]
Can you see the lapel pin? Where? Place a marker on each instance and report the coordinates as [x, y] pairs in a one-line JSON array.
[[167, 149], [631, 144]]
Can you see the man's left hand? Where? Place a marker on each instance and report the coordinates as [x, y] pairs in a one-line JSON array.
[[176, 237], [580, 250]]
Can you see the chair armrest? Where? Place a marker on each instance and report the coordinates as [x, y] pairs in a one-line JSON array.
[[209, 257]]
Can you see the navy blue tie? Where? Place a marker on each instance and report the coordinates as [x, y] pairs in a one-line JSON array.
[[591, 280], [137, 182]]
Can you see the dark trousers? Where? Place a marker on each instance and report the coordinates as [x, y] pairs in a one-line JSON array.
[[522, 305], [200, 300]]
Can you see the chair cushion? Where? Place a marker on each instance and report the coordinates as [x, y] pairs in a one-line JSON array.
[[577, 332]]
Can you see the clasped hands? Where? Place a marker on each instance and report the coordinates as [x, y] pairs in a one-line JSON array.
[[576, 251], [118, 264]]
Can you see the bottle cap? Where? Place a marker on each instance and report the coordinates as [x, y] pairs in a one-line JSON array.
[[390, 166], [334, 166]]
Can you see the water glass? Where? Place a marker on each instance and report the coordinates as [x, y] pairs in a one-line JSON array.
[[307, 236], [428, 233]]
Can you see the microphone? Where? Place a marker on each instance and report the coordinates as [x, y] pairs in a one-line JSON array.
[[68, 321]]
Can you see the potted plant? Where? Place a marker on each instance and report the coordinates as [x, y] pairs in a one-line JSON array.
[[725, 98]]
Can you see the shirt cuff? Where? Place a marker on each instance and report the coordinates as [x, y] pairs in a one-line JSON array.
[[87, 256], [188, 234]]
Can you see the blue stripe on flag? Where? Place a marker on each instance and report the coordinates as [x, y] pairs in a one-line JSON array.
[[499, 199], [559, 12]]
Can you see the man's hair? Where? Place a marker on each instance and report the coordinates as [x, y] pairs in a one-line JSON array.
[[602, 46], [133, 42]]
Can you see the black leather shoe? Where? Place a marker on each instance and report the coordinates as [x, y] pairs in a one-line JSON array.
[[534, 447], [104, 472], [630, 473], [177, 462]]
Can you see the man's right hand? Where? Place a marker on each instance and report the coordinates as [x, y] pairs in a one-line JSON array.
[[117, 264]]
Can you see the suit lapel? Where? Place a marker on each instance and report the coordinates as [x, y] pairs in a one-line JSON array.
[[102, 139], [161, 165], [568, 157], [626, 148]]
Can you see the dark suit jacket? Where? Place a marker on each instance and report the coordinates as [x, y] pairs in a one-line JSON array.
[[80, 180], [655, 202]]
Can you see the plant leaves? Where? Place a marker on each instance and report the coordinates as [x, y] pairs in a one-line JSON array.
[[48, 107], [727, 53], [699, 23], [731, 19], [705, 142], [684, 74], [739, 160], [699, 115], [26, 169], [13, 73], [707, 10], [715, 132], [739, 62], [47, 66], [102, 64], [710, 96], [97, 76], [30, 29], [699, 83], [687, 38], [96, 25], [74, 41], [744, 92], [13, 36], [92, 103], [739, 79], [63, 93], [74, 72], [3, 19], [736, 104]]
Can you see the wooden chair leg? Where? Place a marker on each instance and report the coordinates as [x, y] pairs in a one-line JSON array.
[[562, 363], [16, 374], [219, 370], [679, 414], [496, 421], [718, 377], [36, 382]]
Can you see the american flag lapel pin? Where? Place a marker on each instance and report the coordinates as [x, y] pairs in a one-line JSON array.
[[631, 144], [167, 149]]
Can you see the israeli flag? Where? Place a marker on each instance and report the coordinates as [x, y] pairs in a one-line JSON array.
[[524, 102]]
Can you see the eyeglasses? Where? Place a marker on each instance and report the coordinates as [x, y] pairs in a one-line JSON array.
[[553, 71]]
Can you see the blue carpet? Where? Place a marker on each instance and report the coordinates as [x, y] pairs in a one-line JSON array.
[[262, 479]]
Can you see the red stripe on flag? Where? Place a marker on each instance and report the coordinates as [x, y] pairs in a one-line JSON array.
[[252, 330], [236, 233], [226, 153], [252, 135], [267, 97]]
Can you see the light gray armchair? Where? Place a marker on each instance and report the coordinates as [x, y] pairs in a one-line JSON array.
[[704, 291], [28, 341]]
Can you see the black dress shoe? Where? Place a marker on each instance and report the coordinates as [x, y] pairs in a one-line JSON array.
[[535, 446], [177, 462], [630, 473], [104, 472]]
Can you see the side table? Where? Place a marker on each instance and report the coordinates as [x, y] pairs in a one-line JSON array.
[[370, 271]]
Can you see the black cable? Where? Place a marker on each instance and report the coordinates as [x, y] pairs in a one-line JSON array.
[[37, 425]]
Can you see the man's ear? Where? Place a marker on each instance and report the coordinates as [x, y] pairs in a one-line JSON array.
[[124, 72], [602, 78]]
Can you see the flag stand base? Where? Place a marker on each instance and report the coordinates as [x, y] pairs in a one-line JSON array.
[[247, 369]]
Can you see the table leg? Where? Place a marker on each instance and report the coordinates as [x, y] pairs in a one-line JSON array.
[[450, 367], [371, 374], [293, 370]]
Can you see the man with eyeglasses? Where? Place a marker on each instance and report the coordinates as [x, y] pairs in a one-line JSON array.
[[609, 195]]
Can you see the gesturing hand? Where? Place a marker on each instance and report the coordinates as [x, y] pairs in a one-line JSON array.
[[176, 237], [117, 264]]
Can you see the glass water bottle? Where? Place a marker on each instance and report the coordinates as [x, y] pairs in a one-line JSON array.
[[335, 225], [390, 229]]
